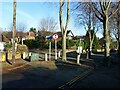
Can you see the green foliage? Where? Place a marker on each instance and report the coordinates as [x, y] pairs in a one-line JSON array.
[[37, 43], [96, 44], [69, 43], [33, 29], [113, 45], [8, 46]]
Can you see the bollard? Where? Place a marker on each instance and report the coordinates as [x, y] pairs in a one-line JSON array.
[[59, 54], [23, 55], [78, 59], [87, 54], [45, 56], [30, 54], [56, 56]]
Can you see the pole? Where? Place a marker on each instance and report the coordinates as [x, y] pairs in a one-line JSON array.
[[49, 50], [14, 32], [55, 49]]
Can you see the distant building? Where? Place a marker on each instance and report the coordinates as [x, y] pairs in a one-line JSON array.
[[69, 34], [20, 36]]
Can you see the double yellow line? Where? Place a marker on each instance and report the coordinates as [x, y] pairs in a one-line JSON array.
[[70, 83]]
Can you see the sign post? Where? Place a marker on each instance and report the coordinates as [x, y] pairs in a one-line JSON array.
[[49, 37], [49, 50], [55, 37]]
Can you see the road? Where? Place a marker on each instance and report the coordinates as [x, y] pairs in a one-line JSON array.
[[53, 74], [40, 75]]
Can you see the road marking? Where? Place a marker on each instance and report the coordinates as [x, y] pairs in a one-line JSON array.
[[79, 77]]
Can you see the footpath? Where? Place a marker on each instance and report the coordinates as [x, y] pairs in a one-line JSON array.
[[5, 66]]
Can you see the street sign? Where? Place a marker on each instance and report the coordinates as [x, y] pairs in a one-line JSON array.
[[55, 36], [49, 37]]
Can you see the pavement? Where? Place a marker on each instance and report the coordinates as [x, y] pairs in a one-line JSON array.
[[41, 74], [5, 66]]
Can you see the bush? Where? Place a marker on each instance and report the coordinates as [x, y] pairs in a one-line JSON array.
[[8, 46], [37, 43]]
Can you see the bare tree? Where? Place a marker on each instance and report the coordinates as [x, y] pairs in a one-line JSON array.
[[114, 28], [20, 29], [47, 25], [87, 18], [62, 27], [104, 14], [14, 32]]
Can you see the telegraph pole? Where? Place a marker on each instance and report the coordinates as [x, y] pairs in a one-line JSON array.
[[14, 31]]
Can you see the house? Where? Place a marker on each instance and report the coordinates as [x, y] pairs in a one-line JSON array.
[[20, 36], [3, 41], [30, 35], [69, 34]]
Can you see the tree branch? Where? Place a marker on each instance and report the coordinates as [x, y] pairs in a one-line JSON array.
[[60, 16], [68, 15], [96, 11], [102, 7], [108, 5]]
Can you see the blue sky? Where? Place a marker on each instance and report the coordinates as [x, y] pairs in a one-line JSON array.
[[30, 13]]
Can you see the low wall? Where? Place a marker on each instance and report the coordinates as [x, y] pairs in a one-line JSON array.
[[17, 56]]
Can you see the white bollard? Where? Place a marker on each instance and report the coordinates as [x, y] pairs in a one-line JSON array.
[[59, 54], [78, 59], [56, 56], [45, 56], [23, 55]]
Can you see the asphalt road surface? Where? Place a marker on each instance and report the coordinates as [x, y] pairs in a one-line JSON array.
[[51, 74]]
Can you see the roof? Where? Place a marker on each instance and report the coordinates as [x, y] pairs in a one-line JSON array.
[[4, 38], [60, 34]]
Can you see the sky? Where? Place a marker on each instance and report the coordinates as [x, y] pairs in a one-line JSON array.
[[30, 14]]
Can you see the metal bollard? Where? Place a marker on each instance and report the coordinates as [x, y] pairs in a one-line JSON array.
[[46, 57]]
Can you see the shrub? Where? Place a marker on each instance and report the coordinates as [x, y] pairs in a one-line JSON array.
[[8, 46]]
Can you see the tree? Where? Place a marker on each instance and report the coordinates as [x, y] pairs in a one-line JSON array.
[[14, 31], [114, 26], [21, 27], [33, 30], [118, 13], [20, 30], [104, 14], [62, 27], [47, 26], [87, 18]]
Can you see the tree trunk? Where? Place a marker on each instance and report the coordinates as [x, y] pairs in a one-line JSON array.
[[107, 38], [90, 51], [119, 30], [64, 47], [14, 32]]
